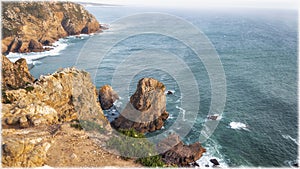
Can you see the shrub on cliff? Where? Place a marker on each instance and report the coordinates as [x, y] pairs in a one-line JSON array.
[[132, 144]]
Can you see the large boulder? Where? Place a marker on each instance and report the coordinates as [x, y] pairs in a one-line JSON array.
[[15, 75], [146, 111], [107, 97], [174, 151]]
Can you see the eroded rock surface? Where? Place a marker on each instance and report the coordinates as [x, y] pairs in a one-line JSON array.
[[146, 111], [56, 146], [28, 26], [15, 75], [174, 151], [64, 96], [107, 97]]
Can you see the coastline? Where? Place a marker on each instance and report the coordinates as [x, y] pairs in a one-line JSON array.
[[61, 44]]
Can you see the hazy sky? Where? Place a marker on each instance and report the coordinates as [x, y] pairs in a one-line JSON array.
[[204, 3]]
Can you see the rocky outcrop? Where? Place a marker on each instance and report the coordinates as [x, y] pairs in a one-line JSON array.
[[174, 151], [107, 97], [27, 26], [15, 75], [64, 96], [146, 110], [21, 151], [56, 146]]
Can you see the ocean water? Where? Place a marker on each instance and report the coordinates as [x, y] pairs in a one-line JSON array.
[[258, 51]]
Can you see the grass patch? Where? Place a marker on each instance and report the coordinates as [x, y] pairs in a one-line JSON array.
[[132, 144], [77, 126], [90, 126], [152, 161]]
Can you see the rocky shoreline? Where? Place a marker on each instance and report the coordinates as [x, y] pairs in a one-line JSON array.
[[68, 98], [30, 26], [58, 120]]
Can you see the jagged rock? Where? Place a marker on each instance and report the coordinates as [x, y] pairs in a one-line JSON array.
[[61, 97], [107, 97], [146, 110], [35, 46], [15, 75], [214, 161], [27, 25], [174, 151]]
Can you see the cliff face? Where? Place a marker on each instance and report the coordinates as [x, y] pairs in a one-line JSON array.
[[15, 75], [28, 26], [61, 97], [146, 111]]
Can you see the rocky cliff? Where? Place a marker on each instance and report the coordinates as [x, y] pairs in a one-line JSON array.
[[28, 26], [146, 111], [52, 120], [15, 75], [64, 96]]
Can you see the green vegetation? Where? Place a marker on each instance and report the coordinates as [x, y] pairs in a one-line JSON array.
[[90, 126], [77, 126], [29, 88], [134, 144], [5, 99], [151, 161]]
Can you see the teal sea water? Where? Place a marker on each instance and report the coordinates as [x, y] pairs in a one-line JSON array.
[[258, 50]]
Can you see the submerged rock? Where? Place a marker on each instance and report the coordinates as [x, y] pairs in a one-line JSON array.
[[107, 97], [146, 111]]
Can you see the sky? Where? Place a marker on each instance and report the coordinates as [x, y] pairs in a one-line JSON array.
[[289, 4]]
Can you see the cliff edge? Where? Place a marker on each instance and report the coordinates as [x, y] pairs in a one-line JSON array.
[[29, 26]]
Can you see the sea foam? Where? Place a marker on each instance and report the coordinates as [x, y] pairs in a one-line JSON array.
[[238, 126], [32, 57], [288, 137], [212, 152]]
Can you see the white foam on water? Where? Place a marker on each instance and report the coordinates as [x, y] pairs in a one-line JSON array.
[[238, 126], [181, 111], [288, 137], [118, 103], [212, 152], [31, 57]]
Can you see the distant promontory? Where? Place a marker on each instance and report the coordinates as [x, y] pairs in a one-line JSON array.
[[29, 26]]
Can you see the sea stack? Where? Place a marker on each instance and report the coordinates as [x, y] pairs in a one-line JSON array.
[[107, 97], [146, 111]]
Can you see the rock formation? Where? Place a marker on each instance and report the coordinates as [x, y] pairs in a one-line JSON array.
[[56, 146], [15, 75], [27, 26], [107, 97], [146, 110], [61, 97], [174, 151]]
